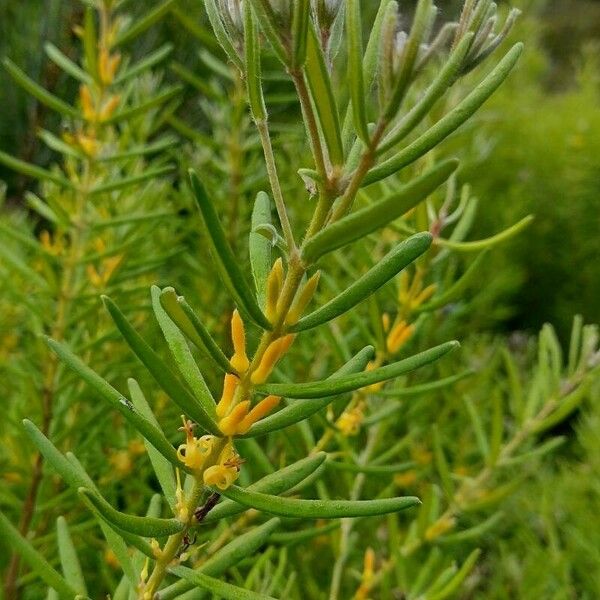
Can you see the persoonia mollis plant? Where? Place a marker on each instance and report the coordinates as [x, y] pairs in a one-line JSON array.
[[367, 146]]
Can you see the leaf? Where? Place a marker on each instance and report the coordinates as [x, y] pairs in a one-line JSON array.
[[270, 26], [37, 91], [145, 526], [90, 42], [162, 467], [241, 547], [144, 22], [34, 559], [260, 246], [476, 246], [66, 64], [434, 92], [144, 107], [68, 558], [33, 171], [385, 269], [441, 464], [317, 509], [298, 411], [370, 469], [450, 122], [300, 24], [227, 263], [186, 319], [457, 580], [275, 483], [252, 65], [150, 60], [154, 435], [119, 184], [355, 69], [161, 372], [321, 91], [363, 222], [183, 357], [348, 383], [457, 289], [216, 586]]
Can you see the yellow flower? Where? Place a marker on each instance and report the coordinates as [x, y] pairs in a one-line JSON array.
[[195, 451], [398, 336], [226, 471], [273, 353], [239, 361], [350, 420]]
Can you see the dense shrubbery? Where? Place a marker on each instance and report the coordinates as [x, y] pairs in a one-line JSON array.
[[369, 236]]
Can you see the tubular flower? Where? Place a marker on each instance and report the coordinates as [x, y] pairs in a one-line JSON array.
[[362, 593], [194, 452], [398, 336], [229, 424], [87, 103], [263, 408], [274, 286], [229, 386], [350, 420], [107, 66], [412, 294], [239, 361], [226, 471], [302, 299], [272, 354]]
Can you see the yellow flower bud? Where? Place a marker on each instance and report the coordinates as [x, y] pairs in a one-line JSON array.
[[302, 299], [350, 420], [229, 385], [239, 361], [272, 354], [109, 107], [274, 285], [229, 424], [87, 103], [263, 408], [398, 336]]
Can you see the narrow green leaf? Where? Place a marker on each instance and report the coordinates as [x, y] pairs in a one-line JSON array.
[[457, 289], [260, 247], [17, 543], [355, 69], [476, 246], [317, 509], [480, 436], [298, 411], [145, 526], [202, 336], [253, 67], [90, 42], [300, 25], [188, 322], [321, 91], [450, 122], [116, 400], [216, 586], [267, 20], [66, 64], [424, 388], [33, 171], [275, 483], [150, 60], [456, 581], [68, 558], [241, 547], [144, 22], [58, 145], [161, 372], [144, 107], [371, 469], [37, 91], [212, 10], [387, 268], [434, 92], [223, 256], [362, 222], [183, 357], [162, 467], [119, 184], [348, 383], [441, 464]]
